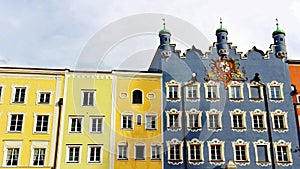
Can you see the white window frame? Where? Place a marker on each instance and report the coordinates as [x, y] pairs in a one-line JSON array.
[[214, 112], [196, 142], [280, 86], [9, 145], [123, 144], [155, 146], [298, 98], [82, 97], [232, 90], [1, 93], [195, 85], [146, 122], [194, 111], [70, 124], [135, 151], [175, 141], [9, 122], [213, 142], [173, 112], [38, 145], [39, 94], [91, 124], [132, 120], [263, 143], [35, 123], [241, 142], [170, 84], [217, 87], [90, 146], [260, 88], [283, 143], [258, 112], [279, 112], [68, 146], [14, 88], [238, 112]]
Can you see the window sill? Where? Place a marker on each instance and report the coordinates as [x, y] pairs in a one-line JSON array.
[[37, 132], [122, 159], [126, 128], [150, 129], [17, 102], [72, 162], [73, 132], [142, 159], [155, 159], [15, 132], [96, 132]]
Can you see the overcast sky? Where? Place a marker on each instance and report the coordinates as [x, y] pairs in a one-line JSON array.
[[53, 34]]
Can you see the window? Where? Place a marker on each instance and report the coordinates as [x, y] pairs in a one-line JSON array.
[[194, 120], [238, 120], [137, 97], [41, 125], [192, 92], [275, 91], [258, 120], [214, 122], [44, 97], [255, 90], [139, 120], [139, 152], [216, 151], [262, 153], [241, 152], [151, 123], [88, 97], [39, 156], [96, 125], [211, 91], [1, 92], [195, 151], [173, 91], [155, 152], [123, 151], [73, 153], [16, 122], [75, 124], [298, 98], [236, 91], [283, 153], [127, 121], [95, 154], [279, 120], [173, 120], [174, 152], [12, 157], [19, 95]]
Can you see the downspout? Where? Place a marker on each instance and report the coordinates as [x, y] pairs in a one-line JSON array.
[[60, 103]]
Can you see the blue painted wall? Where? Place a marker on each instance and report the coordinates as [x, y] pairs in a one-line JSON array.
[[269, 65]]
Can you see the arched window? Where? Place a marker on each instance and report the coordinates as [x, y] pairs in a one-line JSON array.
[[139, 120], [137, 97]]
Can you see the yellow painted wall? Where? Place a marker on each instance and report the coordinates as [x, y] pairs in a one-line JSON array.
[[149, 84], [102, 83], [35, 80]]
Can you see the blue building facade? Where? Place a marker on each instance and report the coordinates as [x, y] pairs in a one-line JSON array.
[[223, 107]]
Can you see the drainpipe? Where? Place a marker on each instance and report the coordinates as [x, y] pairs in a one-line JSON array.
[[60, 103]]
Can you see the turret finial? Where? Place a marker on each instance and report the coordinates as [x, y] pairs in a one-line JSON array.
[[220, 22], [164, 22], [277, 24]]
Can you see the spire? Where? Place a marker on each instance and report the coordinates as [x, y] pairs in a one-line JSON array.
[[164, 22], [221, 29], [277, 31], [164, 30]]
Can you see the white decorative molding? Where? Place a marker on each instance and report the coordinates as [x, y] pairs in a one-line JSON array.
[[173, 83], [151, 96], [216, 141], [214, 112], [173, 111], [194, 111], [123, 95], [264, 143], [192, 99], [258, 112], [279, 112], [259, 87], [276, 84], [233, 84], [212, 84], [175, 141], [195, 141], [241, 142], [243, 114], [288, 149]]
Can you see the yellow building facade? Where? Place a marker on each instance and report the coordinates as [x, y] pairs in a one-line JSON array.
[[85, 124], [29, 113], [137, 119]]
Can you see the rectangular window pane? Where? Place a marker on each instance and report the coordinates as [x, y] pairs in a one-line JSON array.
[[16, 123], [262, 153], [155, 152], [255, 92], [39, 156], [12, 156], [42, 123], [122, 153], [216, 152], [95, 154], [213, 120], [140, 152]]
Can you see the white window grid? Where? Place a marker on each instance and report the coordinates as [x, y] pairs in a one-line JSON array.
[[96, 124], [75, 124], [88, 97]]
